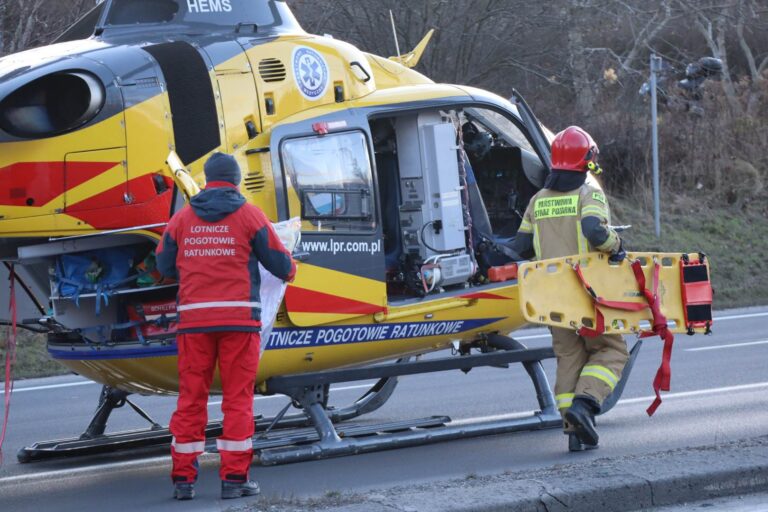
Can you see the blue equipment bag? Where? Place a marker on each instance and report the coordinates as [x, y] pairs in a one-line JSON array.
[[100, 271]]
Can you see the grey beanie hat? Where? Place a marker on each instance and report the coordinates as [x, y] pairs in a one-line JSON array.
[[222, 167]]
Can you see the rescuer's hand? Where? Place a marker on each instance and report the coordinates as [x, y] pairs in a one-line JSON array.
[[619, 255]]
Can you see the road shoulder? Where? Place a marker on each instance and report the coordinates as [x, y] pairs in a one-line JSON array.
[[610, 485]]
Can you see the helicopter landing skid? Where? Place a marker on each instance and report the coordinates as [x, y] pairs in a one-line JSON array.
[[93, 441], [327, 441]]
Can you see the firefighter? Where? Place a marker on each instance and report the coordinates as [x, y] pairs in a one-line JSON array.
[[213, 248], [571, 216]]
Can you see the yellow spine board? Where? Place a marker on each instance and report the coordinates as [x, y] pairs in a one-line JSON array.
[[552, 294]]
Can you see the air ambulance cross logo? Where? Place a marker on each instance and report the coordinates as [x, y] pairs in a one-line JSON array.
[[310, 72]]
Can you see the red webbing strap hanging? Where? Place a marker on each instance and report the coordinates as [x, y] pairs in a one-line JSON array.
[[664, 375], [10, 358]]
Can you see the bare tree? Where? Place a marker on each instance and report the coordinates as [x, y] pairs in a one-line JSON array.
[[28, 23]]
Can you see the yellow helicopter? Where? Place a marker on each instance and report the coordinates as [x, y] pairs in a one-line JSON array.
[[406, 191]]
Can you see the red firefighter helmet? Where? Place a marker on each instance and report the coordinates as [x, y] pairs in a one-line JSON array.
[[573, 149]]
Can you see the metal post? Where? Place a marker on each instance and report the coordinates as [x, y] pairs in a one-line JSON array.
[[655, 67]]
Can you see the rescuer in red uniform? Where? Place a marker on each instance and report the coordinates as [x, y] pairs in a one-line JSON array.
[[213, 247]]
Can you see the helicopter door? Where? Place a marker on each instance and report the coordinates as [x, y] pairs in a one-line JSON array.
[[95, 180], [329, 183], [239, 102]]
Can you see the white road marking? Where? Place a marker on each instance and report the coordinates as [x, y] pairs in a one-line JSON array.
[[628, 401], [738, 317], [700, 392], [156, 462], [717, 319], [345, 388], [532, 337], [50, 386], [732, 345]]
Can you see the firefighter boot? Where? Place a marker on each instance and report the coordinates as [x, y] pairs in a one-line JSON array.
[[231, 490], [574, 445], [580, 415], [184, 491]]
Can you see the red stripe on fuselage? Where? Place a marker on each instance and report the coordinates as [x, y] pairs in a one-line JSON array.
[[39, 183], [301, 300], [483, 295]]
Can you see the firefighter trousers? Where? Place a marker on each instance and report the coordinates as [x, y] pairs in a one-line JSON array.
[[238, 358], [586, 366]]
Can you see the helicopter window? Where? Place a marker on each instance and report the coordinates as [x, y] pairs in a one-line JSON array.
[[53, 104], [85, 26], [127, 12], [497, 124], [332, 177], [506, 169]]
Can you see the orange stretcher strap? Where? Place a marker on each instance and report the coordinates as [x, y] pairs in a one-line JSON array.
[[664, 375]]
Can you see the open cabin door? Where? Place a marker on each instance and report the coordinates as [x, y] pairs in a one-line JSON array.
[[329, 182]]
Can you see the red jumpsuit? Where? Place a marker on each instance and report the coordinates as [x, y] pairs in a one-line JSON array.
[[214, 248]]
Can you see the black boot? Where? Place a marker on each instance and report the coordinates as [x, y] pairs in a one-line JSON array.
[[231, 490], [574, 445], [184, 491], [580, 415]]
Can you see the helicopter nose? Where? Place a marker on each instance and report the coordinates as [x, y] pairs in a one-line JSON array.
[[53, 104]]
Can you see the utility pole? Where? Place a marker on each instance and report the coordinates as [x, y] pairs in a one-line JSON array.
[[655, 68]]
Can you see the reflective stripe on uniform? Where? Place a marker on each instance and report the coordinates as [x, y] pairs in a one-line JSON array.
[[221, 304], [536, 243], [193, 447], [525, 227], [610, 242], [564, 400], [601, 373], [234, 446], [594, 210], [581, 239]]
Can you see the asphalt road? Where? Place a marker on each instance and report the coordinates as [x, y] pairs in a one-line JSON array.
[[719, 389]]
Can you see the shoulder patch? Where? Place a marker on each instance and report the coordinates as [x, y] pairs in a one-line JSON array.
[[598, 196]]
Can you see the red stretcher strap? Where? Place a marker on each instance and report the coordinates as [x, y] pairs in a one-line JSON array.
[[663, 377]]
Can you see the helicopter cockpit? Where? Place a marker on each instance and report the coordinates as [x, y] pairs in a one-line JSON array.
[[454, 185]]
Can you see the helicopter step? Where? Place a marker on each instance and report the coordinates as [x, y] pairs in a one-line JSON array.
[[307, 391], [93, 441], [348, 431]]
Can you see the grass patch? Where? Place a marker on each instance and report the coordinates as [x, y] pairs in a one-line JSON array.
[[735, 241], [32, 359]]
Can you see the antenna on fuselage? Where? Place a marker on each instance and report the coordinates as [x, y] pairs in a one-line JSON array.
[[394, 32]]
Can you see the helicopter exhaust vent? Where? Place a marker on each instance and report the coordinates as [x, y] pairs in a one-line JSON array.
[[272, 70], [255, 182]]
